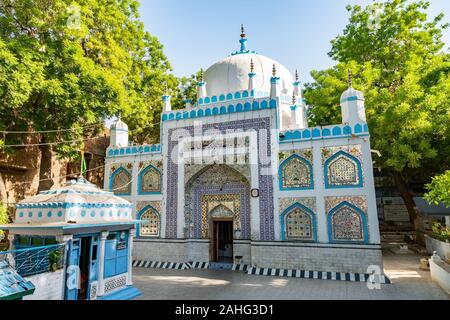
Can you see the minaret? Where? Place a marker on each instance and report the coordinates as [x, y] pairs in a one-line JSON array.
[[296, 84], [274, 81], [166, 99], [119, 134], [352, 104], [251, 76], [201, 87], [298, 115]]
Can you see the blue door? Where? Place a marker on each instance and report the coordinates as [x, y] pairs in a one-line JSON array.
[[93, 263], [73, 271]]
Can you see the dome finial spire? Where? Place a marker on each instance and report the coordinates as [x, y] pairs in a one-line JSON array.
[[274, 70], [296, 75], [242, 31], [252, 66], [350, 78], [294, 98]]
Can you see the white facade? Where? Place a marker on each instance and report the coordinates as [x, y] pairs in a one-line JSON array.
[[294, 196]]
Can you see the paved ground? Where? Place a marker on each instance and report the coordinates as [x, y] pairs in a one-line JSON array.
[[409, 283]]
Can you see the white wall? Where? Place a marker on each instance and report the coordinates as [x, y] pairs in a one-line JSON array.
[[49, 286]]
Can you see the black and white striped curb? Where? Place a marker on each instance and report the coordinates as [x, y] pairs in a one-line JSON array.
[[324, 275], [160, 265], [240, 267], [198, 265]]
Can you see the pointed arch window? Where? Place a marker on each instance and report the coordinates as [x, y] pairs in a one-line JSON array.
[[342, 170], [295, 173], [347, 223], [120, 182], [151, 228], [298, 223], [149, 181]]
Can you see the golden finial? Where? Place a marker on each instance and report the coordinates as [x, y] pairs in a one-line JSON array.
[[274, 70], [252, 66], [242, 31], [296, 75], [165, 88]]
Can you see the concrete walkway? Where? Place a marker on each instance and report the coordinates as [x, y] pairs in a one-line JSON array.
[[409, 282]]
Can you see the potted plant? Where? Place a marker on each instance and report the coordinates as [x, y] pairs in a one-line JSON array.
[[54, 259]]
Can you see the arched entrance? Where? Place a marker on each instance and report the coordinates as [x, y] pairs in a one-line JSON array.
[[217, 199]]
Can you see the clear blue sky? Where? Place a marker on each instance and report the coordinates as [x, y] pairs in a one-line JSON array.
[[296, 33]]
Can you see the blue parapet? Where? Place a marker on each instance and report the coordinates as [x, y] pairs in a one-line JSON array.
[[297, 134], [245, 94], [255, 106], [215, 111], [264, 104], [229, 96], [231, 108], [316, 133], [237, 95], [193, 114], [222, 97], [358, 128], [200, 113], [164, 117], [207, 100], [347, 130], [326, 133], [306, 134], [223, 110], [214, 99], [337, 131], [273, 104]]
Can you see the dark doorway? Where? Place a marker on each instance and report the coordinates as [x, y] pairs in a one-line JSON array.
[[84, 267], [222, 241]]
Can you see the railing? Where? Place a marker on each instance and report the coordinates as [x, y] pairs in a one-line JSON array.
[[35, 260]]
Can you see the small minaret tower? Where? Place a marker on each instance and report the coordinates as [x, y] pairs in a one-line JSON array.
[[274, 83], [201, 87], [296, 84], [119, 134], [166, 99], [298, 115], [352, 104], [251, 76]]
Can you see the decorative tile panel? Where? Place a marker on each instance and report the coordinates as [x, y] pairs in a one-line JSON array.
[[262, 127]]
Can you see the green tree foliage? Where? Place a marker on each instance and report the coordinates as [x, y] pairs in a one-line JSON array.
[[400, 65], [439, 189], [4, 218], [66, 64]]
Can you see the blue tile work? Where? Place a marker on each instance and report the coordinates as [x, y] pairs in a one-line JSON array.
[[242, 190], [262, 127]]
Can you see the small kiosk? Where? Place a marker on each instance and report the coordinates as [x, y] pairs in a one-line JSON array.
[[77, 240]]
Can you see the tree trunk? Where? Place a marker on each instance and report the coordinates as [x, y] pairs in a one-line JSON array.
[[408, 199], [45, 169], [3, 193]]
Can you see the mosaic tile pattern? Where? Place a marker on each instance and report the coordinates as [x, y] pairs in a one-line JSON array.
[[262, 127], [152, 227], [295, 174], [121, 183], [347, 224], [234, 197], [343, 171], [220, 204], [299, 225], [357, 201], [155, 204], [150, 181], [354, 150], [193, 170], [285, 203], [304, 153]]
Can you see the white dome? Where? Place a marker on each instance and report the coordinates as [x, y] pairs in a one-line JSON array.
[[120, 125], [350, 93], [231, 75]]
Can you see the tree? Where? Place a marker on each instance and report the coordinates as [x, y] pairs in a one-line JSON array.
[[401, 67], [439, 189], [4, 218], [70, 65]]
